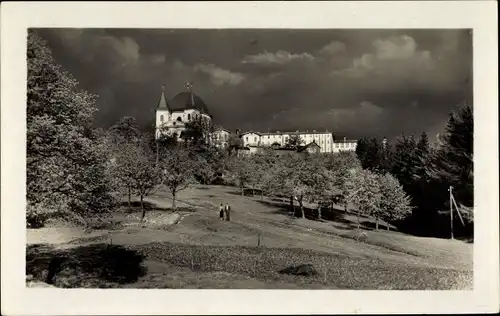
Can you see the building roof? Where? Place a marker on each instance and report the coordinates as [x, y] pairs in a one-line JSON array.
[[302, 148], [163, 104], [287, 133], [188, 101], [222, 130], [346, 141], [251, 132]]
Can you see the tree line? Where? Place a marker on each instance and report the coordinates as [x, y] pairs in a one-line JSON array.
[[426, 171]]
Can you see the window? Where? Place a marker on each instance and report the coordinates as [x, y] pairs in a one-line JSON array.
[[255, 139], [161, 118], [189, 117], [179, 119], [246, 138]]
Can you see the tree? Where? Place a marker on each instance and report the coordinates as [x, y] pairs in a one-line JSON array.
[[234, 143], [340, 166], [308, 180], [452, 162], [405, 162], [294, 141], [125, 130], [364, 193], [66, 164], [210, 163], [241, 170], [262, 164], [198, 132], [140, 166], [395, 204], [124, 140], [362, 149], [177, 167]]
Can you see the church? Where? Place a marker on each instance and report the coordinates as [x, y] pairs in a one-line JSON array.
[[172, 116]]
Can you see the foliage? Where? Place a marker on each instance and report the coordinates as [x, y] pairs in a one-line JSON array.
[[234, 142], [294, 141], [66, 165], [134, 165], [210, 164], [395, 203], [198, 132], [240, 169], [452, 162], [405, 161], [364, 193], [177, 168]]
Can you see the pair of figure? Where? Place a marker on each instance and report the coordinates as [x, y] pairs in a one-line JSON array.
[[224, 210]]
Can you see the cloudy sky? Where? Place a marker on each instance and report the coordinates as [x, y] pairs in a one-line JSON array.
[[351, 82]]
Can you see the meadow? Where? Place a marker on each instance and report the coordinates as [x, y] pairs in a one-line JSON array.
[[189, 247]]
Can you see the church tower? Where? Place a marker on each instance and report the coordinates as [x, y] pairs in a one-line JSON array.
[[163, 112]]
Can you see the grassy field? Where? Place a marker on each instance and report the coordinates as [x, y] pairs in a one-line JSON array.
[[192, 248]]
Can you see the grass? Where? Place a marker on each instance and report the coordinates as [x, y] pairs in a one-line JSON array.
[[201, 251]]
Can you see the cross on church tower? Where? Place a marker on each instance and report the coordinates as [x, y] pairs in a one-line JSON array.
[[189, 87]]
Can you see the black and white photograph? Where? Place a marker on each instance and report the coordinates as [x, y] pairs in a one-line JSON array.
[[277, 158]]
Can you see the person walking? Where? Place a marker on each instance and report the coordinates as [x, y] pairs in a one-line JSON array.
[[221, 212], [228, 212]]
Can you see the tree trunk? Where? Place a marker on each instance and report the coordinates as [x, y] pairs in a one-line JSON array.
[[376, 223], [262, 195], [242, 191], [302, 209], [345, 208], [129, 197], [388, 228], [142, 208], [253, 192], [319, 212], [173, 199], [292, 208]]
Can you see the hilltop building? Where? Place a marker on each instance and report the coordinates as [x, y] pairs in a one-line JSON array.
[[172, 115]]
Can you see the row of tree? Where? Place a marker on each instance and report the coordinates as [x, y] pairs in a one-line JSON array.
[[322, 181]]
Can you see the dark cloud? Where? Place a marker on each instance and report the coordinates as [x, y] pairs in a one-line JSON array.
[[352, 82]]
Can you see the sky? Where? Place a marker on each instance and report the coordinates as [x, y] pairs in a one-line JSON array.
[[354, 83]]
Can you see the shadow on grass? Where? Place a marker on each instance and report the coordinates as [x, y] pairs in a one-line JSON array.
[[372, 225], [97, 265], [246, 192], [135, 206], [327, 214]]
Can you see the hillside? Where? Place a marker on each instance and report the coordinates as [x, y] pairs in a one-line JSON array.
[[200, 251]]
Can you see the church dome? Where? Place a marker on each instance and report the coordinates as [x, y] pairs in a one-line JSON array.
[[184, 101]]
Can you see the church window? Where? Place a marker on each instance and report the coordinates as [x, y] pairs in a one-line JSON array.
[[179, 119], [189, 117], [161, 118]]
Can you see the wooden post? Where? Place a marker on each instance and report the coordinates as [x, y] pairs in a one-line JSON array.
[[451, 212]]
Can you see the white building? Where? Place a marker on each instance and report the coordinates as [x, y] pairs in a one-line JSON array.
[[344, 145], [220, 137], [171, 115], [323, 139]]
